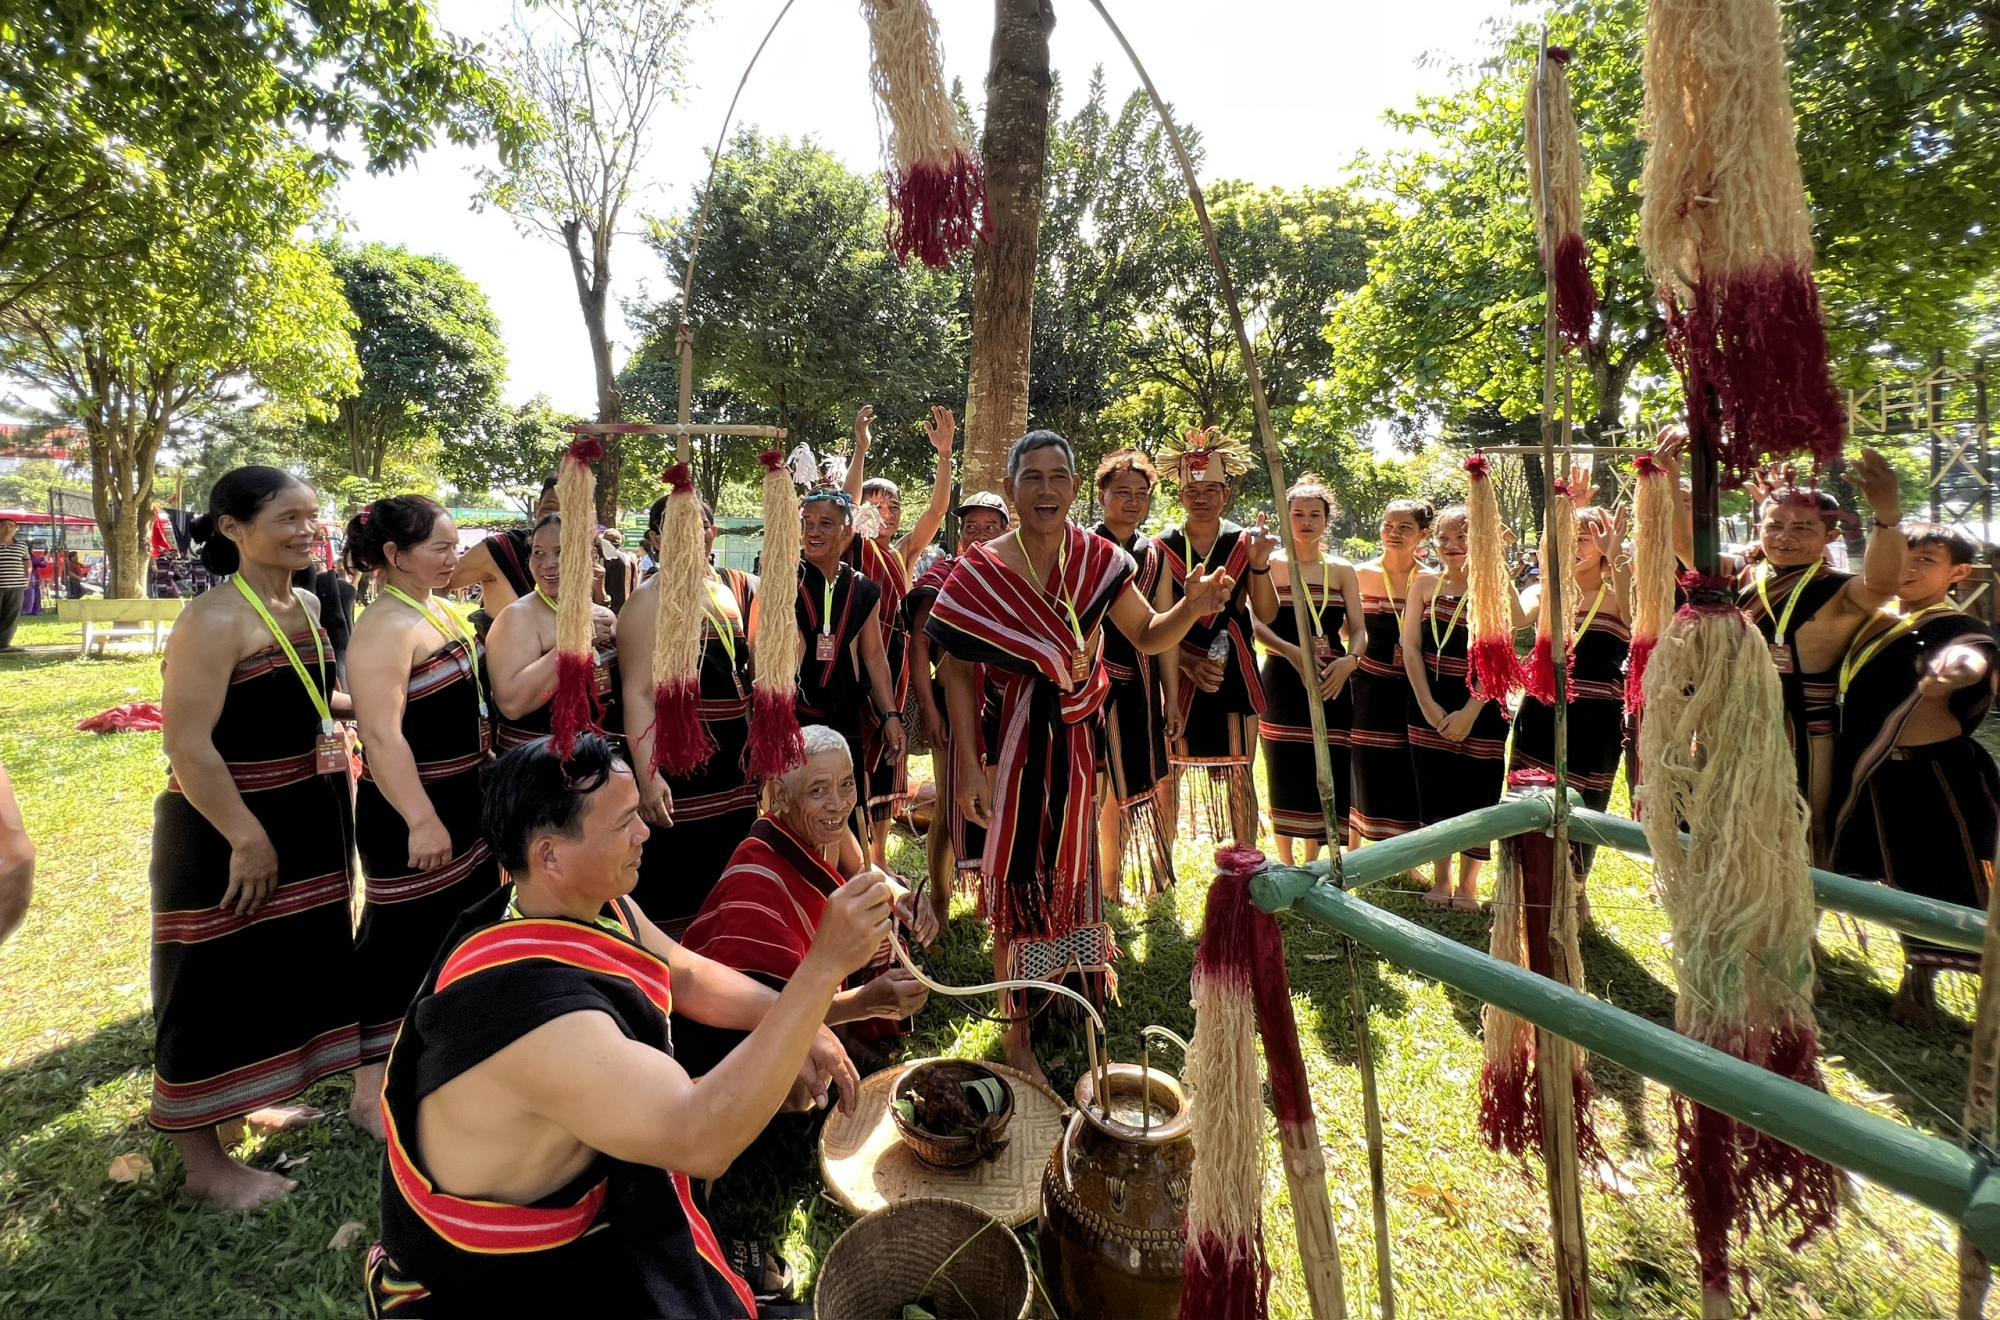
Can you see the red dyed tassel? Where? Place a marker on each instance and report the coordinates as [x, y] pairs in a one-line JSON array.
[[1576, 297], [575, 706], [681, 743], [937, 211], [1732, 1174], [1541, 676], [1510, 1120], [1635, 673], [775, 744], [1759, 340], [1219, 1283], [1496, 670]]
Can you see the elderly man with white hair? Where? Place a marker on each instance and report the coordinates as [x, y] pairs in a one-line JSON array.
[[762, 914]]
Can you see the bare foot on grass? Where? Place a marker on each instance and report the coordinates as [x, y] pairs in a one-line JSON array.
[[1021, 1054], [366, 1110], [1439, 896], [222, 1181], [1464, 902]]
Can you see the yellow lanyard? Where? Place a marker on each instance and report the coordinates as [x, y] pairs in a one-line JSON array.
[[1784, 620], [450, 624], [1449, 628], [1595, 605], [298, 665], [1859, 655], [547, 599], [1396, 606], [1315, 607], [826, 606], [725, 623], [1062, 564]]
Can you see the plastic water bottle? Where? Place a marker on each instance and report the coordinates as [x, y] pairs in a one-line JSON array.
[[1218, 649]]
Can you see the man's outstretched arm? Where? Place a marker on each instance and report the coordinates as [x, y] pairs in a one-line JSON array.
[[635, 1103]]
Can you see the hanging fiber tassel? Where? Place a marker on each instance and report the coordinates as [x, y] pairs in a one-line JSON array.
[[1494, 667], [1725, 229], [937, 191], [1740, 903], [681, 742], [1562, 227], [1225, 1273], [575, 706], [1653, 569], [1558, 549], [1526, 921], [775, 744]]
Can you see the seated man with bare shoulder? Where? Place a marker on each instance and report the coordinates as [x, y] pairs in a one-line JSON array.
[[541, 1137]]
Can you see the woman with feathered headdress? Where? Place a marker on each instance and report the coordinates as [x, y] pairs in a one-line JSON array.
[[1221, 692]]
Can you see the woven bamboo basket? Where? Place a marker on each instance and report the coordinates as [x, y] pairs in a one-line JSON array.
[[964, 1263], [953, 1152]]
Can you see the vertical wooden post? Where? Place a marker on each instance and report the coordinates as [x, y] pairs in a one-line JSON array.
[[1553, 1055]]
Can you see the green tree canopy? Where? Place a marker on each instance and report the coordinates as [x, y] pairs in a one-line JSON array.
[[111, 105], [509, 452], [801, 313], [429, 347]]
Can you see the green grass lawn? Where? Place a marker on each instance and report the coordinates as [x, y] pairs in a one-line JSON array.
[[1470, 1228]]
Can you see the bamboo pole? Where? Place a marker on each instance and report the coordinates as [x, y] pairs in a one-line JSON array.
[[1312, 1213], [1555, 1059]]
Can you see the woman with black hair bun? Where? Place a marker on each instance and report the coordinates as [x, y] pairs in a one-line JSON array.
[[251, 879], [421, 700], [521, 650], [1385, 783]]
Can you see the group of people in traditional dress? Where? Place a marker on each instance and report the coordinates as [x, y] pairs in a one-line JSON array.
[[532, 924]]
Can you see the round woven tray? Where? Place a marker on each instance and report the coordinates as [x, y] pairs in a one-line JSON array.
[[866, 1165], [898, 1254]]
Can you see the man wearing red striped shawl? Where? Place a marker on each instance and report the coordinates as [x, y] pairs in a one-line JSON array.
[[541, 1137], [1030, 606], [1916, 801]]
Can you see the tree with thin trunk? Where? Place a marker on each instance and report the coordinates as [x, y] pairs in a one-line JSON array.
[[1014, 148], [596, 72], [228, 299]]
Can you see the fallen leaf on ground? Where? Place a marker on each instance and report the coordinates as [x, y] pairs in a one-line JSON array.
[[1445, 1204], [284, 1162], [343, 1237], [130, 1168]]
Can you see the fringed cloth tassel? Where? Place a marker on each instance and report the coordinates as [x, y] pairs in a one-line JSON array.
[[1144, 846], [1739, 900], [1726, 231], [682, 744], [574, 707], [1495, 669], [937, 190], [1653, 571], [1561, 157], [1510, 1082], [1225, 1272], [1558, 549], [1213, 790], [775, 743]]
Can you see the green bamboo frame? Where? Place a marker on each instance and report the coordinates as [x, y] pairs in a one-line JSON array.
[[1927, 1169]]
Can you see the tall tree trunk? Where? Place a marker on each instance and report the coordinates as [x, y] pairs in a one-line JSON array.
[[122, 449], [1015, 147], [593, 294]]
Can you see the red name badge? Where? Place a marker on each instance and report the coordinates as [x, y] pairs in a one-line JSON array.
[[1396, 657], [825, 645], [1781, 656], [1323, 649], [329, 755], [601, 680], [1079, 667]]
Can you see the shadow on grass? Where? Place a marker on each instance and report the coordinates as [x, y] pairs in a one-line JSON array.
[[1921, 1071]]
